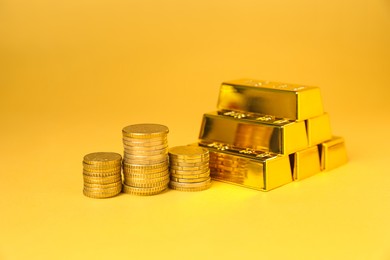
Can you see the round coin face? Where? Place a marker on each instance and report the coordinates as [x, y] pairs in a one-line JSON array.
[[102, 158], [145, 130], [187, 151]]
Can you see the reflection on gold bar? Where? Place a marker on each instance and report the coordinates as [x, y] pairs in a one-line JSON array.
[[248, 168], [263, 133], [318, 129], [305, 163], [333, 153], [282, 100]]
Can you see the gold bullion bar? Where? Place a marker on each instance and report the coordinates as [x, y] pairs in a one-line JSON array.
[[258, 170], [290, 101], [333, 153], [273, 135], [305, 163], [318, 129]]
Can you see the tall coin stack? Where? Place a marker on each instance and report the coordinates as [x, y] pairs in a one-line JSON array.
[[189, 168], [145, 163], [102, 175]]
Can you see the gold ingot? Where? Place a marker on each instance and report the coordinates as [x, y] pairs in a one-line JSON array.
[[305, 163], [256, 170], [295, 102], [318, 129], [274, 135], [333, 153]]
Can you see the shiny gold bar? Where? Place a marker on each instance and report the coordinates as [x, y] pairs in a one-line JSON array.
[[333, 153], [305, 163], [295, 102], [318, 129], [248, 168], [263, 133]]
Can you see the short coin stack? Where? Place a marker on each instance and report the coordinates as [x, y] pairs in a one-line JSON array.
[[189, 168], [145, 164], [102, 175]]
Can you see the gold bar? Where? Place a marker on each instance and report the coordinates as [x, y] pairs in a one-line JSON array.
[[318, 129], [295, 102], [305, 163], [333, 153], [248, 168], [263, 133]]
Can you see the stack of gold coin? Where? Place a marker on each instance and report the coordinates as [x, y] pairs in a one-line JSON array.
[[145, 165], [102, 175], [189, 168]]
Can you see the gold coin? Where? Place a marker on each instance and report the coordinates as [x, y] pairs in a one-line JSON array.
[[117, 184], [146, 175], [88, 168], [186, 164], [145, 162], [100, 195], [190, 185], [191, 176], [145, 157], [145, 180], [188, 152], [141, 141], [145, 148], [146, 153], [188, 161], [186, 180], [101, 174], [148, 185], [103, 190], [188, 168], [143, 191], [191, 189], [102, 158], [102, 180], [145, 131]]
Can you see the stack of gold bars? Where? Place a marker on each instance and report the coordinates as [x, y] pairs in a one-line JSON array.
[[145, 163], [189, 168], [102, 175], [267, 134]]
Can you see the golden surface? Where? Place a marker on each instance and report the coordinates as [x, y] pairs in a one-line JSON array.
[[333, 153], [149, 131], [73, 73], [318, 129], [261, 171], [306, 163], [277, 136], [102, 159], [296, 102]]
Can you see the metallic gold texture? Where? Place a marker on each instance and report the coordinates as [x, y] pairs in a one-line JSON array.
[[283, 100], [333, 153], [274, 135], [305, 163], [257, 170]]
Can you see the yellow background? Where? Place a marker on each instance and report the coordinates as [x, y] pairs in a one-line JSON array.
[[74, 73]]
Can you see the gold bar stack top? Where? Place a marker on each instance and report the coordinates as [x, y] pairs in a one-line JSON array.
[[145, 163], [267, 134]]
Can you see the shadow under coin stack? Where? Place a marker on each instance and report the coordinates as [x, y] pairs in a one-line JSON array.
[[145, 162], [267, 134], [189, 168], [102, 175]]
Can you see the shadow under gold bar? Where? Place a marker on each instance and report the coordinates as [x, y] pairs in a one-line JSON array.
[[264, 133], [333, 153], [295, 102], [257, 170]]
